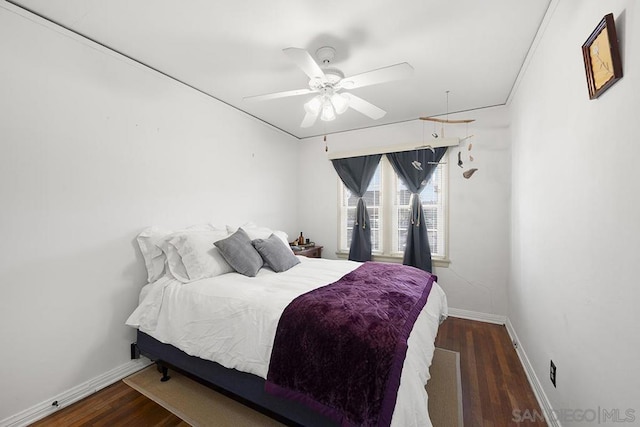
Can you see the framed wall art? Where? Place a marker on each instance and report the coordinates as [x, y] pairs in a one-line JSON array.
[[601, 55]]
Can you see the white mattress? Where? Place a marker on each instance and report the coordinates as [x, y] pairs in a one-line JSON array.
[[232, 319]]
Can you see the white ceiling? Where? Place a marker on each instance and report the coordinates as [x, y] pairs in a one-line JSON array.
[[233, 49]]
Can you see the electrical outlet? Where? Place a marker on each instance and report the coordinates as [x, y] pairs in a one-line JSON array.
[[552, 374]]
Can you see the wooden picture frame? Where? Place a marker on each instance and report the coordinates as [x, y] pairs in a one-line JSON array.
[[601, 55]]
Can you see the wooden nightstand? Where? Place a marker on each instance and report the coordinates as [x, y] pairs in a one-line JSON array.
[[310, 252]]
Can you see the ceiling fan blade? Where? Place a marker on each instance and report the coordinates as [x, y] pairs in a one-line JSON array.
[[365, 107], [304, 60], [276, 95], [309, 120], [381, 75]]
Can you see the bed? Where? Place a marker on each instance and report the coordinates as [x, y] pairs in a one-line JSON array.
[[222, 329]]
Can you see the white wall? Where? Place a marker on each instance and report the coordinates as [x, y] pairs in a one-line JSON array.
[[576, 207], [93, 148], [476, 279]]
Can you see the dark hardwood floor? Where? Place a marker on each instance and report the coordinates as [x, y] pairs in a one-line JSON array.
[[493, 385], [116, 405]]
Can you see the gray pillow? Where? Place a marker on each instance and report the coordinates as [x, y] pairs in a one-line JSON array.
[[275, 254], [238, 251]]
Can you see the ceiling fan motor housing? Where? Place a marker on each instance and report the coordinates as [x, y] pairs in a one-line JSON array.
[[325, 55]]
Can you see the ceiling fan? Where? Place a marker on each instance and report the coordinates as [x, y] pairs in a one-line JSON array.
[[329, 83]]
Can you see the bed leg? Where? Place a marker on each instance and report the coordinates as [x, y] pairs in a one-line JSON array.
[[165, 372], [165, 377]]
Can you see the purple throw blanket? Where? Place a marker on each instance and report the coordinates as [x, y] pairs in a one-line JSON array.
[[340, 348]]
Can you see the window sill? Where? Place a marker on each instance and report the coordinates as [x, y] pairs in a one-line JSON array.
[[436, 262]]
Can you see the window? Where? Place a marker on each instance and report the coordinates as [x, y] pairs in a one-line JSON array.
[[387, 201]]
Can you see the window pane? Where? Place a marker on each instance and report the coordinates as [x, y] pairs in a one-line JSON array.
[[375, 240], [374, 217], [402, 239], [401, 226], [403, 196], [431, 216], [429, 194], [372, 196], [351, 217], [433, 242]]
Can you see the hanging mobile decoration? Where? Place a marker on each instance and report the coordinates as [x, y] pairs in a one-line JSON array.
[[416, 163], [470, 144], [468, 173], [460, 164], [434, 154], [326, 147]]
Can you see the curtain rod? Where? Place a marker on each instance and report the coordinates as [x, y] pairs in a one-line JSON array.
[[444, 142]]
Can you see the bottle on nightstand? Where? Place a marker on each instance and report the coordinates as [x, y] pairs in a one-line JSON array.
[[301, 239]]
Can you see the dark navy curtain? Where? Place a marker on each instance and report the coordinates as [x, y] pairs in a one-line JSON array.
[[356, 174], [415, 169]]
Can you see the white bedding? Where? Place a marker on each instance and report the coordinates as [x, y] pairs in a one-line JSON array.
[[232, 319]]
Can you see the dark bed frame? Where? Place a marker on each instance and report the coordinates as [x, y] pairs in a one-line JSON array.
[[241, 386]]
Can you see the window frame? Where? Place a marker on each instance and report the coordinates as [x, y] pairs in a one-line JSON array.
[[388, 209]]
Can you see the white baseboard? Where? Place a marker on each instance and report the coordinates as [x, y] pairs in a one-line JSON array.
[[476, 315], [541, 396], [75, 394]]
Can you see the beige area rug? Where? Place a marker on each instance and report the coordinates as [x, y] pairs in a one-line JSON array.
[[444, 389], [199, 405]]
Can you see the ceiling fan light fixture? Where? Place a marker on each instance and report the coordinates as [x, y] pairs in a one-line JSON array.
[[328, 112], [340, 102]]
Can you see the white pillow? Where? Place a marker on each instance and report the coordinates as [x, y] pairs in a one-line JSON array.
[[173, 261], [152, 243], [149, 241], [199, 256]]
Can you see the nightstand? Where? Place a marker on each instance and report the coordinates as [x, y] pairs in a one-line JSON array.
[[310, 251]]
